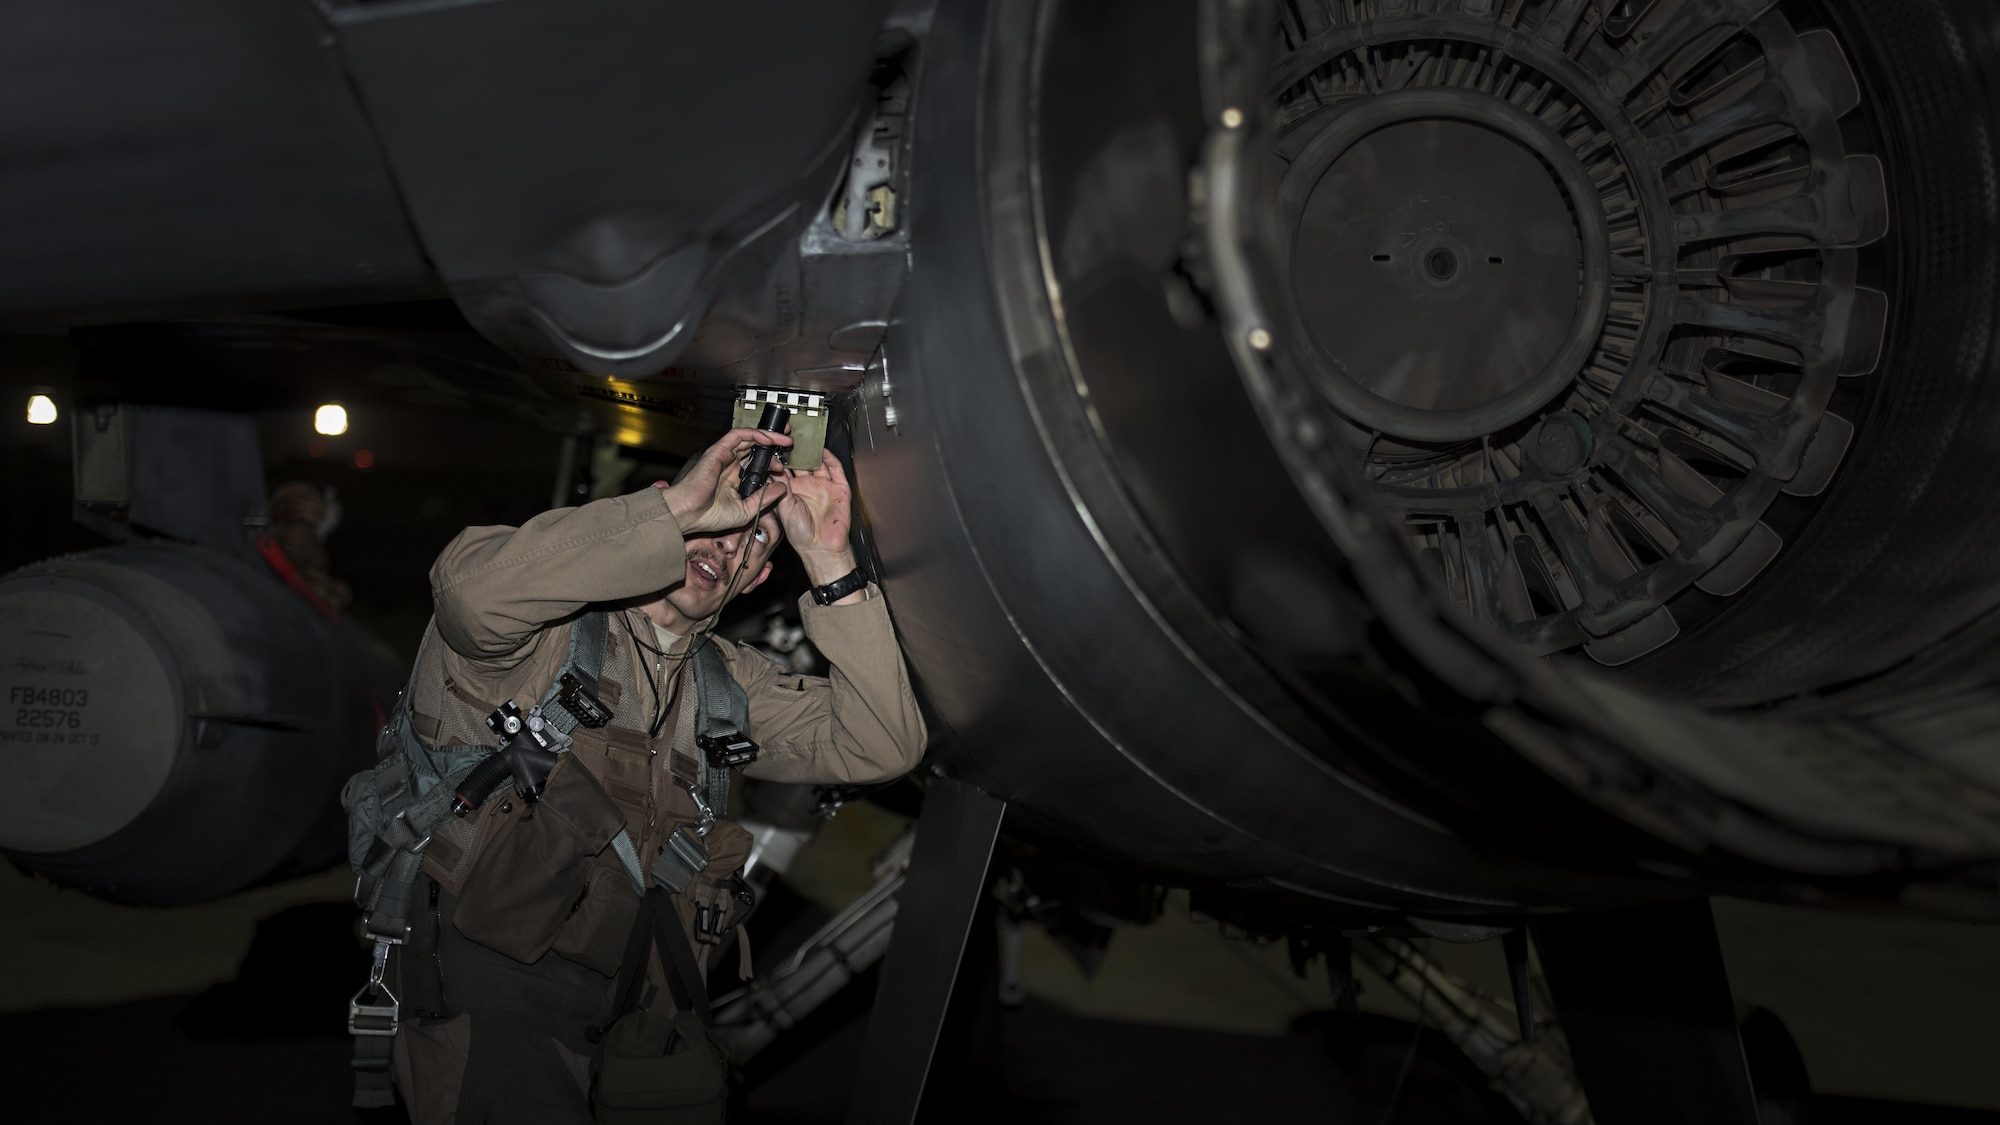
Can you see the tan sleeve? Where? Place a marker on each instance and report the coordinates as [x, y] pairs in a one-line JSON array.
[[496, 588], [857, 725]]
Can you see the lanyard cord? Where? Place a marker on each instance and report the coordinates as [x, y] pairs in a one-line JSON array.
[[639, 665], [667, 673]]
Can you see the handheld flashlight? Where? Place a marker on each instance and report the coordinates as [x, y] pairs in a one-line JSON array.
[[757, 466]]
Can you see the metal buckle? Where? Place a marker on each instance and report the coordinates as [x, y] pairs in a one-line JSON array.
[[380, 940], [727, 750], [679, 861], [704, 819], [581, 702], [545, 733], [379, 1019], [375, 1018], [708, 920]]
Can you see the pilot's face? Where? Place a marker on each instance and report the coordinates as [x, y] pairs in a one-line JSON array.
[[722, 566]]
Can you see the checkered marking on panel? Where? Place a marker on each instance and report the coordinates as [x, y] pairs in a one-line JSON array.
[[802, 402]]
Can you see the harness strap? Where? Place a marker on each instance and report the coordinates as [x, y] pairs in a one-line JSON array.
[[724, 712], [374, 1065], [658, 927]]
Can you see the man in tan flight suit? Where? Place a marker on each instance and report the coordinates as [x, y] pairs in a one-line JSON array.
[[521, 914]]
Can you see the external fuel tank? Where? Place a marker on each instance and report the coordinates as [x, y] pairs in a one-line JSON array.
[[179, 722]]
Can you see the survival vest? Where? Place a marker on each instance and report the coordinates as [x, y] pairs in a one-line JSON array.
[[393, 808]]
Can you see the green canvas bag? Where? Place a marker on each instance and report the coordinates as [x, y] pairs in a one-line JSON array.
[[660, 1069], [654, 1069]]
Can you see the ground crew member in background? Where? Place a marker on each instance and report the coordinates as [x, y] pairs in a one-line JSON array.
[[520, 920]]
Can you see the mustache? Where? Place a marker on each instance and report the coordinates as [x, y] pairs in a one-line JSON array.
[[721, 564]]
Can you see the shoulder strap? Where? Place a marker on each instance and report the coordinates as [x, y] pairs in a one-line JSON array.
[[692, 993], [724, 712], [725, 709], [659, 927]]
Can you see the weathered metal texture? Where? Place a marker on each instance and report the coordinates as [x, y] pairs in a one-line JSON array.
[[1621, 285]]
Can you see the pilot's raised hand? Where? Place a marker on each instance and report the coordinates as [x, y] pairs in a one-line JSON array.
[[704, 500], [817, 515]]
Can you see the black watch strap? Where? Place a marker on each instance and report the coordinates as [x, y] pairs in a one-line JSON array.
[[839, 587]]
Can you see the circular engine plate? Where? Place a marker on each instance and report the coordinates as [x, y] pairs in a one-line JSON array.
[[1451, 211], [1583, 280], [91, 726]]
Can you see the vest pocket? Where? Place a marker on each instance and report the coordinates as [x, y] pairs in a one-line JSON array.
[[594, 935], [535, 871]]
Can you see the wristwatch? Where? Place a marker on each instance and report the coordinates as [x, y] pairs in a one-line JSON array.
[[839, 587]]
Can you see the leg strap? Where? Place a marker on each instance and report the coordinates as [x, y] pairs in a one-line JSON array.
[[374, 1084]]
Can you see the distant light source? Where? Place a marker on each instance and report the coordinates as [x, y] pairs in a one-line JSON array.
[[330, 419], [41, 410], [363, 459]]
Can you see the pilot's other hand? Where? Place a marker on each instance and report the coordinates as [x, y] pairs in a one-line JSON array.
[[705, 500], [817, 515]]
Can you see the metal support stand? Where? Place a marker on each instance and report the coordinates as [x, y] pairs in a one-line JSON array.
[[1645, 1003], [1514, 944], [947, 878]]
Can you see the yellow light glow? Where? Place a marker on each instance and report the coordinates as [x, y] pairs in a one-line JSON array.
[[330, 419], [41, 410]]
